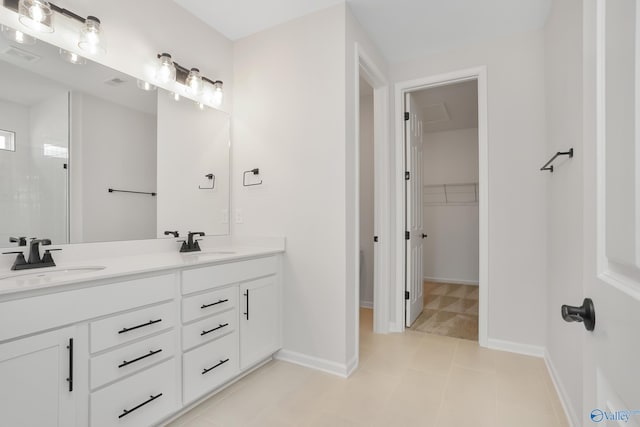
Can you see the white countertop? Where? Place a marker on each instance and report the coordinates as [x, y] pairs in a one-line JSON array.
[[68, 271]]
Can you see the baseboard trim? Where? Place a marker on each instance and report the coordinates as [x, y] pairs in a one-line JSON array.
[[366, 304], [324, 365], [569, 411], [452, 281], [516, 347]]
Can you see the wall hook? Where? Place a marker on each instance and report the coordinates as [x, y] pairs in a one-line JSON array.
[[212, 178], [255, 171]]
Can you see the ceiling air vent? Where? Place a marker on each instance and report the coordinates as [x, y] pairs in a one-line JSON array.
[[116, 81], [19, 54]]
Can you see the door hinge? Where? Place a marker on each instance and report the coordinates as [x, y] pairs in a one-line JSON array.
[[375, 238], [407, 235], [406, 294], [407, 176], [406, 116]]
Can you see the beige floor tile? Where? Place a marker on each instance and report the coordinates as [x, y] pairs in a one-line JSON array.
[[471, 356], [434, 355]]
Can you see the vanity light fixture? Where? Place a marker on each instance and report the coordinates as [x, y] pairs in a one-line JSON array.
[[72, 57], [196, 83], [38, 15], [17, 36]]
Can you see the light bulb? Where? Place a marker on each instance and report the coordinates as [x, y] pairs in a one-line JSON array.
[[91, 39], [166, 69], [36, 14], [194, 82], [216, 98]]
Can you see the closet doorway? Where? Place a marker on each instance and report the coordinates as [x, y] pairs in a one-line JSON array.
[[444, 147]]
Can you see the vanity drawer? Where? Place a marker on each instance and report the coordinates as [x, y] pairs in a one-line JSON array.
[[126, 327], [140, 400], [209, 366], [209, 329], [131, 358], [217, 301], [200, 279]]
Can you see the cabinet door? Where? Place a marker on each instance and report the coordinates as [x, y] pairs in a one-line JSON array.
[[34, 381], [259, 320]]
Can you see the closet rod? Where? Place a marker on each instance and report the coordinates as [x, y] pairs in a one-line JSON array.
[[111, 190]]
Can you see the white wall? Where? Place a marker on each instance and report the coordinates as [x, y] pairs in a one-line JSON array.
[[289, 117], [191, 144], [120, 153], [517, 226], [451, 251], [564, 249], [367, 215]]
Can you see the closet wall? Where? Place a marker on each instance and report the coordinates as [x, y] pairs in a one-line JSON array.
[[451, 206]]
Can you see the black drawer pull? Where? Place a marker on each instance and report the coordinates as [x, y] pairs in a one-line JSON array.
[[222, 362], [247, 312], [70, 377], [151, 353], [128, 411], [214, 329], [150, 322], [214, 303]]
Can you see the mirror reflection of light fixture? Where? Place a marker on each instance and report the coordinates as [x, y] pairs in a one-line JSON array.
[[175, 96], [194, 82], [17, 36], [166, 69], [36, 14], [146, 86], [200, 106], [216, 97], [91, 38], [72, 57]]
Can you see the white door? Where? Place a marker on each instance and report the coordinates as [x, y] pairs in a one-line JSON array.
[[414, 253], [612, 224]]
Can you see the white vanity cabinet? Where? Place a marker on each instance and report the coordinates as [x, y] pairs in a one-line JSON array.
[[36, 380], [135, 350]]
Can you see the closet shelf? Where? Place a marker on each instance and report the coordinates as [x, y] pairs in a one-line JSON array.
[[450, 194]]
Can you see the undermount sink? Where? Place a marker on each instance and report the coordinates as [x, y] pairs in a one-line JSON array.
[[51, 273]]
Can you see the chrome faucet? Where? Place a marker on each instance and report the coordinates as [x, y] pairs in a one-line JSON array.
[[34, 261]]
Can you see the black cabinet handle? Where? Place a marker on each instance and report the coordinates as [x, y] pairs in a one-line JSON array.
[[150, 322], [222, 325], [222, 362], [126, 412], [214, 303], [424, 236], [246, 313], [70, 377], [151, 353]]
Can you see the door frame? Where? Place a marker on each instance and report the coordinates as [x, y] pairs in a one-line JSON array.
[[480, 74], [382, 142]]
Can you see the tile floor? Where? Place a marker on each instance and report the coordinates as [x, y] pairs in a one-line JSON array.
[[410, 379]]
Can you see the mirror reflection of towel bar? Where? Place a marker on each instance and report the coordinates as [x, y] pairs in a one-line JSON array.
[[255, 171], [111, 190]]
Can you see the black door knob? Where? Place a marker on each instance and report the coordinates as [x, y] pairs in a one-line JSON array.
[[424, 235], [586, 314]]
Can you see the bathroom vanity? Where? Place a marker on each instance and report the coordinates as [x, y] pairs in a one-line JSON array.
[[134, 340]]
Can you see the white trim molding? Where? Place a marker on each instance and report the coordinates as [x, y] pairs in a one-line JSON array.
[[516, 347], [480, 74], [451, 281], [324, 365], [569, 411]]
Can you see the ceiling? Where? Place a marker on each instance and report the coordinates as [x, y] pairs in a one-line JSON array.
[[449, 107], [402, 29]]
